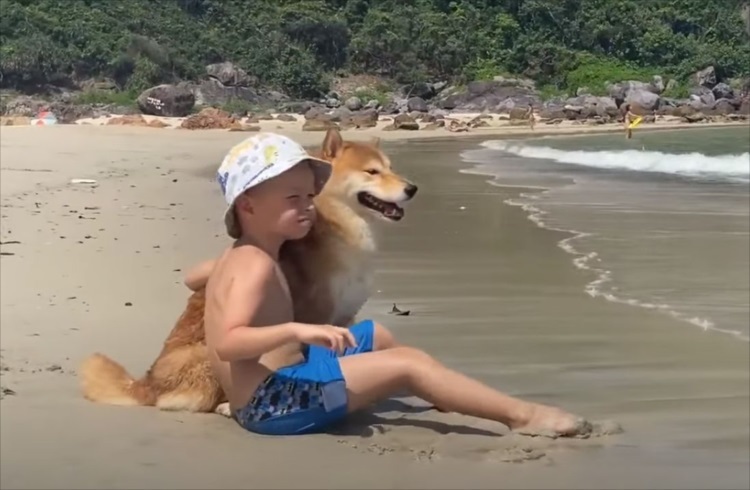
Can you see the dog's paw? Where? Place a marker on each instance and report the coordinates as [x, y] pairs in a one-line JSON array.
[[223, 409]]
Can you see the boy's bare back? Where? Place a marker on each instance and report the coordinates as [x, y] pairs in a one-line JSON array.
[[247, 287]]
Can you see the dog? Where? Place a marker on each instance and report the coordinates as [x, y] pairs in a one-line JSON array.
[[329, 272]]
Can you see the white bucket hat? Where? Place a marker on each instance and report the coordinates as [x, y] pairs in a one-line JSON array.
[[257, 159]]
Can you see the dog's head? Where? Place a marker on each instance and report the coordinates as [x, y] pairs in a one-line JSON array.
[[362, 177]]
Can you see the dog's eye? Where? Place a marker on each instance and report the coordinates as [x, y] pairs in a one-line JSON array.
[[372, 171]]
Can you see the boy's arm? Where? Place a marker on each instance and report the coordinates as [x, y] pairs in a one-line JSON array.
[[197, 277]]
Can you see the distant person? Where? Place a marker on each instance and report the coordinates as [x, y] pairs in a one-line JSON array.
[[530, 115], [627, 118]]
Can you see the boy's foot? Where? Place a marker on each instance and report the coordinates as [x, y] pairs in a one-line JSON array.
[[552, 422]]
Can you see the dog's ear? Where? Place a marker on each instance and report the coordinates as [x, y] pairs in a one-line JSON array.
[[332, 143], [375, 142]]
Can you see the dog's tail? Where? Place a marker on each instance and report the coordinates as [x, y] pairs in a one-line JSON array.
[[105, 381]]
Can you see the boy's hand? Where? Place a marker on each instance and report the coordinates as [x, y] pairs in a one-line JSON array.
[[334, 338]]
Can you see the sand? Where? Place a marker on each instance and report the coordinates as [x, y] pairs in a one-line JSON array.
[[98, 267]]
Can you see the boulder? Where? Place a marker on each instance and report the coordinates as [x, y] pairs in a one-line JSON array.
[[332, 103], [694, 117], [319, 125], [657, 82], [406, 122], [367, 118], [416, 104], [166, 100], [705, 77], [209, 118], [372, 104], [642, 100], [489, 96], [353, 103], [317, 113], [723, 91], [230, 75], [421, 90], [340, 114], [286, 118], [724, 107]]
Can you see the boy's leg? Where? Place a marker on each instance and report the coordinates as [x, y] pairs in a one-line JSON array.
[[371, 377]]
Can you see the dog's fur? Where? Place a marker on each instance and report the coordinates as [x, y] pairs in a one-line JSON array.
[[329, 274]]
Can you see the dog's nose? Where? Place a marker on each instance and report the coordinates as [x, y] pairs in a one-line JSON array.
[[410, 190]]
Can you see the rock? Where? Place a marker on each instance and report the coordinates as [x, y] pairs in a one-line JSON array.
[[518, 114], [723, 91], [286, 118], [489, 96], [705, 95], [744, 106], [14, 121], [23, 106], [238, 126], [130, 120], [439, 123], [416, 104], [724, 107], [428, 118], [166, 100], [705, 77], [525, 83], [657, 82], [340, 114], [438, 87], [212, 92], [693, 118], [353, 103], [317, 113], [456, 126], [155, 123], [372, 104], [319, 125], [478, 122], [583, 91], [671, 85], [406, 122], [332, 103], [420, 90], [643, 100], [230, 75], [209, 118], [367, 118]]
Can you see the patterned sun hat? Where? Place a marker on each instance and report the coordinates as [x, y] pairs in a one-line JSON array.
[[258, 159]]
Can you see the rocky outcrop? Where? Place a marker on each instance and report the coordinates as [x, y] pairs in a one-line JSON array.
[[705, 77], [230, 75], [209, 118], [166, 100], [489, 96]]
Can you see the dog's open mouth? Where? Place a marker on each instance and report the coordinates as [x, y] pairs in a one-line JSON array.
[[390, 210]]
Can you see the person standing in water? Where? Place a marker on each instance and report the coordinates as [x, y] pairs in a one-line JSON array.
[[530, 115], [627, 118]]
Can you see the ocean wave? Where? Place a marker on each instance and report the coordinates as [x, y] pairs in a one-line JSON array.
[[726, 167]]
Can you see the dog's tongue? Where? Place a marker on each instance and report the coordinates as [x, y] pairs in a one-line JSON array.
[[392, 211]]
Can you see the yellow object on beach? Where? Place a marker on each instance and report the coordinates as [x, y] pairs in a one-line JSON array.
[[635, 122]]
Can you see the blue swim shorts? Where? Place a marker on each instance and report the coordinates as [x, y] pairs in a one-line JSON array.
[[306, 397]]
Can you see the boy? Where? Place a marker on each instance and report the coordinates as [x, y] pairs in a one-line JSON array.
[[282, 377]]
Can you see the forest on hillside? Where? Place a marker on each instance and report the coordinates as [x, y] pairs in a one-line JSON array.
[[297, 46]]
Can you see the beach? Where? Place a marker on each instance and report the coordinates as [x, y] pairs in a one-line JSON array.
[[97, 266]]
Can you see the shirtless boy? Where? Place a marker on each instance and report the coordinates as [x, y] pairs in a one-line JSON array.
[[283, 377]]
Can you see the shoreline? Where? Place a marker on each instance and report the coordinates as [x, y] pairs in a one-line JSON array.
[[502, 130]]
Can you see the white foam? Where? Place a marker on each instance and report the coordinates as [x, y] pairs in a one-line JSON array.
[[728, 167], [600, 286]]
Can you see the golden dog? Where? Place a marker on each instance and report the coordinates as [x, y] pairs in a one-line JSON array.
[[329, 274]]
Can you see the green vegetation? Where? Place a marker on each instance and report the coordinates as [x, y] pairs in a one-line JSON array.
[[297, 45]]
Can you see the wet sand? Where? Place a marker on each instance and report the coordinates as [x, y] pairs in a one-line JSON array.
[[99, 268]]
